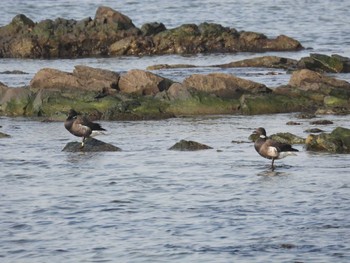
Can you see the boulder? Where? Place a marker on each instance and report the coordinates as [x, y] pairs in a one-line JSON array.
[[224, 85], [338, 141], [142, 82], [178, 91], [106, 15], [14, 101], [309, 80], [184, 145], [90, 145], [83, 78]]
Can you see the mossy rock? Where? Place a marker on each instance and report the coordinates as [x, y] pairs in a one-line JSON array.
[[204, 104], [271, 103], [331, 101], [338, 141], [287, 137]]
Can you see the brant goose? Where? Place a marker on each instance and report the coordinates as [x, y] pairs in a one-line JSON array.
[[271, 149], [80, 126]]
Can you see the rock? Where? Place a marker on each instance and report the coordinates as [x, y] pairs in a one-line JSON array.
[[184, 145], [314, 130], [283, 137], [83, 78], [177, 91], [14, 101], [272, 103], [287, 137], [90, 145], [14, 72], [338, 141], [106, 15], [324, 63], [112, 33], [305, 115], [149, 29], [4, 135], [168, 66], [323, 90], [263, 62], [293, 123], [321, 122], [310, 80], [142, 82], [224, 85]]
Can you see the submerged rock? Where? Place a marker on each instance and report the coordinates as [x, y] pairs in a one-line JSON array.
[[184, 145], [338, 141], [90, 145]]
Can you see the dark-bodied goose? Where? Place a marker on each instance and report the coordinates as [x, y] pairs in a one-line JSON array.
[[80, 126], [271, 149]]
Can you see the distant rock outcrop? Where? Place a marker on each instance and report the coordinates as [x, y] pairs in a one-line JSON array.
[[111, 33]]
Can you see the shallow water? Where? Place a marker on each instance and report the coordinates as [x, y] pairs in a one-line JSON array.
[[149, 204]]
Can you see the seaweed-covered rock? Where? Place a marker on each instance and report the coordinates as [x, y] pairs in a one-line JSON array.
[[287, 137], [90, 145], [338, 141], [14, 101], [324, 63], [184, 145]]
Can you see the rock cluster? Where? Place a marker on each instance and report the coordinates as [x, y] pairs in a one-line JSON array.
[[142, 94], [111, 33]]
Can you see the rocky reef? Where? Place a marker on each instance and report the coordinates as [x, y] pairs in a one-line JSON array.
[[111, 33], [143, 94]]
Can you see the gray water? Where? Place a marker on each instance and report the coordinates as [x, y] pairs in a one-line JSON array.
[[149, 204]]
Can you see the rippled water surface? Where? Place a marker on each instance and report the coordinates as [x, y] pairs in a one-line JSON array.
[[149, 204]]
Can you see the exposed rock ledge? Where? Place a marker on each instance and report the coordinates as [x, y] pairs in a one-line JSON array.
[[111, 33]]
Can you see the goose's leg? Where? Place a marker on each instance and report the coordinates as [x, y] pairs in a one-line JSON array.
[[272, 166], [82, 142]]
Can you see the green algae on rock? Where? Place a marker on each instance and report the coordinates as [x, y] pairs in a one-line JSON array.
[[338, 141]]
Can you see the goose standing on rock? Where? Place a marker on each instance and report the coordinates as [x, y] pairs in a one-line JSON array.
[[271, 149], [80, 126]]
